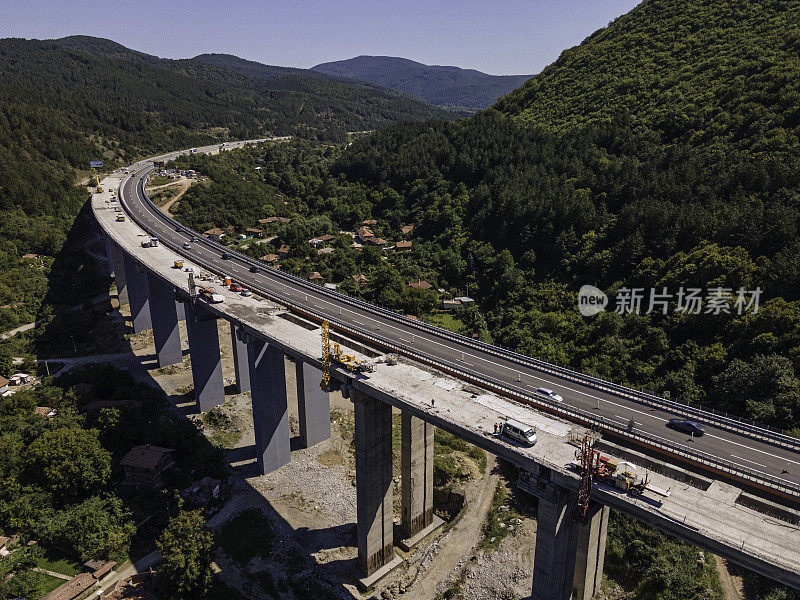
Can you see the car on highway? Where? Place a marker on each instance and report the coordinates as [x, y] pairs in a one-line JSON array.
[[235, 287], [226, 256], [549, 394], [687, 426], [193, 238], [179, 229], [254, 269], [187, 246], [246, 292]]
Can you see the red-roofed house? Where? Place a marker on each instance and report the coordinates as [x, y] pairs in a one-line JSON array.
[[421, 283]]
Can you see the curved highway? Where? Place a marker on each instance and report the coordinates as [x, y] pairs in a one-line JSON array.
[[511, 375]]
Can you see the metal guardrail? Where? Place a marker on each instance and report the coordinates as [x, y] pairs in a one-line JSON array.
[[710, 417], [679, 450]]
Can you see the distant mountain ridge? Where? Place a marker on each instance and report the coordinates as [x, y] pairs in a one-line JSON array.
[[440, 85]]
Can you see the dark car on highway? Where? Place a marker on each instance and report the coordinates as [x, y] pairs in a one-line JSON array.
[[254, 269], [226, 256], [687, 426]]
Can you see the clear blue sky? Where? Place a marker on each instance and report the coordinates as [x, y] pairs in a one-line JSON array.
[[494, 36]]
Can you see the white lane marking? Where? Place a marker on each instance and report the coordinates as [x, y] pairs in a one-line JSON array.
[[755, 449], [485, 360], [750, 461]]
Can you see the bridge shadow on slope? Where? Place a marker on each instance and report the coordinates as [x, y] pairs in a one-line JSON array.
[[74, 314], [147, 415]]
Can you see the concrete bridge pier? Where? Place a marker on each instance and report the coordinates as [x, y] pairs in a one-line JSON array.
[[416, 475], [109, 256], [201, 328], [270, 411], [117, 257], [313, 405], [568, 560], [240, 363], [373, 441], [164, 315], [138, 294]]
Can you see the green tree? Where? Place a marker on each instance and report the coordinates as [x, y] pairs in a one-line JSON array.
[[100, 527], [68, 461], [767, 388], [185, 546]]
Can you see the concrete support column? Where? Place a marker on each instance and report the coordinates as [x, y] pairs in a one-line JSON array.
[[416, 458], [270, 412], [313, 405], [373, 440], [201, 327], [164, 315], [240, 362], [117, 256], [138, 293], [109, 257], [568, 561], [591, 553]]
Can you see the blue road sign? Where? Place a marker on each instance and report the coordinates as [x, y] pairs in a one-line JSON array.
[[95, 163]]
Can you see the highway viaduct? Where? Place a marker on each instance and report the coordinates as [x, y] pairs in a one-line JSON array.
[[715, 504]]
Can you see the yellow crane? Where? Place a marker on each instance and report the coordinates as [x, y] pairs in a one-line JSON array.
[[326, 356], [334, 353]]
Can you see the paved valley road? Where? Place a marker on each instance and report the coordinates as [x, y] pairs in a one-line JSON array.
[[747, 457]]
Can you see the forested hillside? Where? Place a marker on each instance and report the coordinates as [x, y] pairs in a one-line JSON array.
[[439, 85], [523, 215], [65, 102], [715, 74]]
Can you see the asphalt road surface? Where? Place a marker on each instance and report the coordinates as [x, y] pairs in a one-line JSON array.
[[739, 449]]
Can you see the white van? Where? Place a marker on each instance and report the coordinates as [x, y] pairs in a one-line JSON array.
[[519, 432]]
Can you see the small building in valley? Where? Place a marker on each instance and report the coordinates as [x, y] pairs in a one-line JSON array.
[[145, 465]]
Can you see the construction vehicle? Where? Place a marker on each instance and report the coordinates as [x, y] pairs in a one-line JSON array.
[[332, 354], [178, 264], [151, 243], [619, 474], [211, 296], [120, 218]]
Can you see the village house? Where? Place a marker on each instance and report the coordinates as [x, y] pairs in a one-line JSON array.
[[403, 246], [269, 258], [4, 551], [321, 239], [284, 251], [360, 279], [144, 465], [45, 411], [99, 567], [315, 276], [73, 588], [375, 241], [406, 229], [365, 233], [3, 385], [253, 232], [421, 284], [215, 234], [270, 220], [327, 250], [369, 222]]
